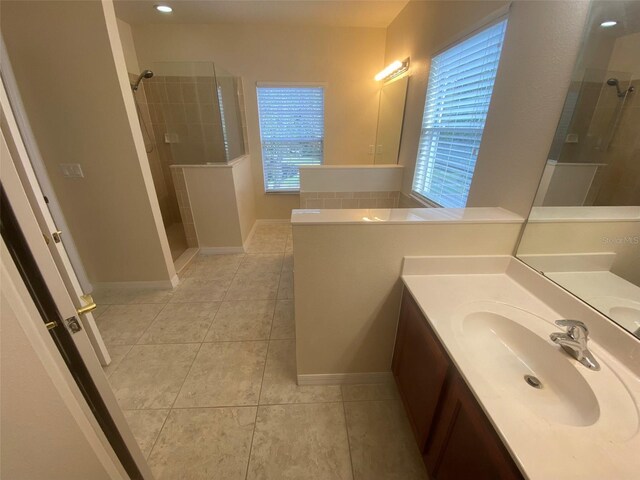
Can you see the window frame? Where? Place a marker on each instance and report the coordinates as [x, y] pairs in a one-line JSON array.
[[488, 23], [259, 85]]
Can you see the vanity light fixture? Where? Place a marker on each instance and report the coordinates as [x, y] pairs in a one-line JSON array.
[[163, 8], [608, 23], [393, 70]]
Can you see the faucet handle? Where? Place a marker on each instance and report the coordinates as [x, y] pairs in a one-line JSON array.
[[571, 324]]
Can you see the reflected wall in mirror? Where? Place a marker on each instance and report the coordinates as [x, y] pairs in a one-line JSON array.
[[583, 231], [390, 117]]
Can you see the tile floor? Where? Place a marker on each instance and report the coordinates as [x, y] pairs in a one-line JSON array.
[[206, 377]]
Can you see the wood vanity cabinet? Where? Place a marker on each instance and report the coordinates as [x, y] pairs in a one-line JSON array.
[[456, 439]]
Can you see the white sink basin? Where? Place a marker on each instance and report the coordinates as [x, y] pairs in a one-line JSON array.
[[505, 343], [510, 351], [623, 311]]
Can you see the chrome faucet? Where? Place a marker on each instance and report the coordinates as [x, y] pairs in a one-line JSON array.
[[574, 342]]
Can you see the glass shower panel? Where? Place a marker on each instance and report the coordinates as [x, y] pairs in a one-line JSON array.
[[231, 103], [197, 113]]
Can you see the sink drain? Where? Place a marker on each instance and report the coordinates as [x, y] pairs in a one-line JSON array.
[[533, 381]]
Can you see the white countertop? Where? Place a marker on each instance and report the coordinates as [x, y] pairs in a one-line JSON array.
[[228, 164], [546, 441], [398, 216], [584, 214]]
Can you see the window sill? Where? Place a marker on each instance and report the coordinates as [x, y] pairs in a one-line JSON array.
[[284, 192], [424, 200]]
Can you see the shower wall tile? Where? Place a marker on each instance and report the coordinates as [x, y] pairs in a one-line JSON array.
[[339, 200]]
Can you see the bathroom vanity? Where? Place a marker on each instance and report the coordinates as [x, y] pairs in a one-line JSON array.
[[445, 417], [489, 395]]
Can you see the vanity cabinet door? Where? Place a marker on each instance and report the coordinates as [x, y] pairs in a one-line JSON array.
[[464, 443], [420, 368]]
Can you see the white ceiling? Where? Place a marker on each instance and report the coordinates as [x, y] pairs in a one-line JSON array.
[[338, 13]]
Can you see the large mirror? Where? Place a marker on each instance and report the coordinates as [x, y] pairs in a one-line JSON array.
[[390, 117], [583, 231]]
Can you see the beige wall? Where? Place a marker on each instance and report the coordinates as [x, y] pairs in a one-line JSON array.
[[625, 57], [346, 59], [221, 202], [78, 111], [538, 56], [128, 47], [622, 238], [213, 205], [245, 197], [348, 287]]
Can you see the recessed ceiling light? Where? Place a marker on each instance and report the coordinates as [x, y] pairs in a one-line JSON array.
[[608, 23], [163, 8]]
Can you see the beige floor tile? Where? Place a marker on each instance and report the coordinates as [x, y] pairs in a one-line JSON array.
[[261, 262], [273, 228], [224, 374], [279, 383], [283, 321], [213, 266], [254, 286], [285, 288], [99, 310], [287, 265], [267, 242], [201, 289], [289, 245], [381, 441], [243, 320], [181, 323], [300, 442], [150, 376], [117, 353], [209, 272], [233, 259], [370, 391], [128, 296], [146, 425], [204, 444], [125, 324]]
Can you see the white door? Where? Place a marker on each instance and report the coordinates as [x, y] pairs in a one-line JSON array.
[[65, 305], [54, 237]]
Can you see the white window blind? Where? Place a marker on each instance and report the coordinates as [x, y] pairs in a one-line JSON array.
[[458, 95], [291, 132]]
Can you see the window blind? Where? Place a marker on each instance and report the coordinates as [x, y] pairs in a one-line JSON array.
[[291, 132], [458, 95]]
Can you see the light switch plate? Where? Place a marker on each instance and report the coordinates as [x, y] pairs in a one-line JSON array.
[[71, 170]]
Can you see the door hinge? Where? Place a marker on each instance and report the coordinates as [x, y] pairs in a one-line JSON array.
[[73, 324], [56, 236], [51, 325]]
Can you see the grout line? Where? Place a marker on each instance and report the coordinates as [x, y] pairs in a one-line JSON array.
[[346, 426], [155, 441], [255, 421]]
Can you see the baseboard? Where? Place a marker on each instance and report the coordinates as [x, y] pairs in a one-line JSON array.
[[158, 285], [344, 378], [184, 260], [220, 250], [266, 221]]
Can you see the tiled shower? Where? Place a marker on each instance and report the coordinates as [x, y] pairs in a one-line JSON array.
[[191, 113]]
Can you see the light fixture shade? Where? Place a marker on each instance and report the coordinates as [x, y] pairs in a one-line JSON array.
[[608, 23], [163, 8], [392, 70]]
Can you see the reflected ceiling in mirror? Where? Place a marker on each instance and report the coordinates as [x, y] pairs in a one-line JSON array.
[[583, 231]]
